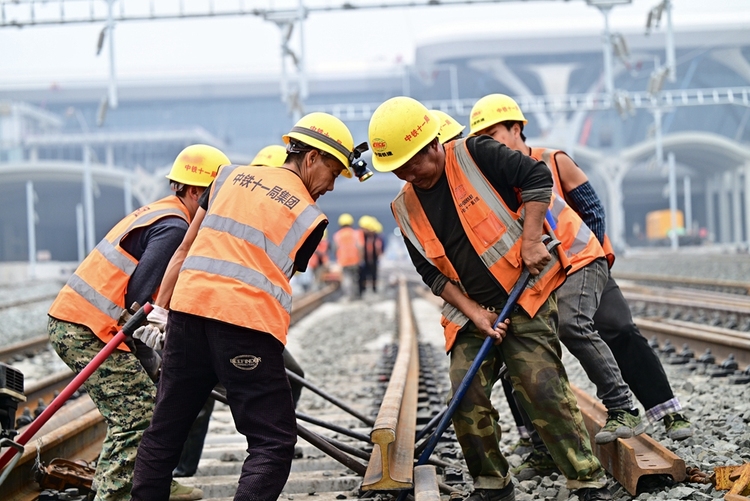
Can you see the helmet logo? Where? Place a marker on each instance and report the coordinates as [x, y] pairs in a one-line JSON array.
[[380, 148], [321, 131]]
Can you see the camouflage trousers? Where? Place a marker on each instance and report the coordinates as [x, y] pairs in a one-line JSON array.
[[531, 351], [123, 393]]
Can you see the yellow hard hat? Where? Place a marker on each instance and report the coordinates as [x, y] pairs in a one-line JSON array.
[[399, 128], [346, 219], [365, 222], [326, 133], [270, 156], [494, 109], [197, 165], [449, 128], [377, 227]]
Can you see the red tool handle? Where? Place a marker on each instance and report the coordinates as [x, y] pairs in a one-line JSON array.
[[126, 331]]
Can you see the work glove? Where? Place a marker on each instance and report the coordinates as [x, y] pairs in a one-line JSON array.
[[152, 334]]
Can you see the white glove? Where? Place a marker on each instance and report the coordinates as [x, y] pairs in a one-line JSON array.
[[150, 335], [158, 317]]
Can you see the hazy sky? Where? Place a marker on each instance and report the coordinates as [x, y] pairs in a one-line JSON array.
[[341, 41]]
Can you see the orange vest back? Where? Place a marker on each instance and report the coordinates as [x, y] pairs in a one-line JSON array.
[[95, 294], [349, 243], [492, 228], [577, 240], [239, 267]]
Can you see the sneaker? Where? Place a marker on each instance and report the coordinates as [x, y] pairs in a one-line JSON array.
[[523, 446], [504, 494], [678, 427], [536, 463], [620, 424], [591, 494], [179, 492]]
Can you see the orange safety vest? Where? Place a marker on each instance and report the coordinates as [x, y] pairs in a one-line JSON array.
[[349, 243], [95, 294], [549, 157], [239, 267], [492, 228]]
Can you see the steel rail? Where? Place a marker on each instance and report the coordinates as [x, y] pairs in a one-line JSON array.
[[24, 348], [628, 459], [712, 284], [78, 430], [391, 466], [722, 342], [24, 302]]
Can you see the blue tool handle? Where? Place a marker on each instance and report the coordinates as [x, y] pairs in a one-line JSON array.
[[551, 220], [518, 288]]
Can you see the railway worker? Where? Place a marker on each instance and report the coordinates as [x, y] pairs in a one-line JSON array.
[[126, 267], [319, 260], [458, 213], [372, 249], [500, 116], [348, 245], [230, 307], [269, 156]]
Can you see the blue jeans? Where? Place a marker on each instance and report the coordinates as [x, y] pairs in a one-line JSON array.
[[577, 302]]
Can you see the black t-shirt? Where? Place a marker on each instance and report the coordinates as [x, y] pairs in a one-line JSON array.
[[509, 172], [305, 251], [153, 247]]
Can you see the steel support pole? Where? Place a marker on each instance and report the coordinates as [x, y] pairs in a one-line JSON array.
[[88, 198], [671, 59], [736, 206], [725, 214], [609, 79], [688, 194], [127, 189], [673, 237], [80, 232], [710, 213], [112, 101], [31, 227], [302, 68]]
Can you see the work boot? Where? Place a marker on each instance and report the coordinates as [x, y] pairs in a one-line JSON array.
[[678, 427], [536, 463], [504, 494], [620, 424], [591, 494], [523, 446], [179, 492]]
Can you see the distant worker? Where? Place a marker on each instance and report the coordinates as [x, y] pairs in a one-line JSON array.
[[348, 244], [319, 260], [459, 215], [230, 305], [372, 249], [641, 369], [126, 267], [450, 129]]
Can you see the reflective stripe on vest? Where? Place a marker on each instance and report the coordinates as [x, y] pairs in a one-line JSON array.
[[238, 269], [241, 273], [579, 243], [94, 295], [471, 191]]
